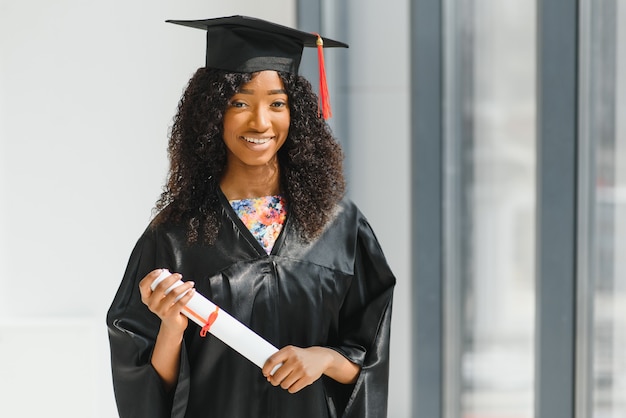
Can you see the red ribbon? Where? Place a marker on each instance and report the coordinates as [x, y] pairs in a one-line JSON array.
[[209, 322]]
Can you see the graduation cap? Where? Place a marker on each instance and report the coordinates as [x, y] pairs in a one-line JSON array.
[[246, 44]]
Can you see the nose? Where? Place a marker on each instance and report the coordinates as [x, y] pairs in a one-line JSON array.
[[260, 119]]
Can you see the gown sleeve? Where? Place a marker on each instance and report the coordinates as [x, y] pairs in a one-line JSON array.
[[132, 328], [364, 328]]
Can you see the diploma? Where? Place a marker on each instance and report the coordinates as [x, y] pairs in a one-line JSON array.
[[223, 326]]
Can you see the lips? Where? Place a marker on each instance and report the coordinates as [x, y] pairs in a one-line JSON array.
[[257, 141]]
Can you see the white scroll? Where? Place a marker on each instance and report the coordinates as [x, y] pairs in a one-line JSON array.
[[223, 326]]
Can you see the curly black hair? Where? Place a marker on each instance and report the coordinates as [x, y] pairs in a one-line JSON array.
[[310, 160]]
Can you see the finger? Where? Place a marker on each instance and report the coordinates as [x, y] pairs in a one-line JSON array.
[[173, 294], [172, 304], [290, 380], [178, 306], [298, 386], [273, 361], [154, 298], [187, 295], [144, 284], [181, 293], [279, 374], [285, 375], [167, 284]]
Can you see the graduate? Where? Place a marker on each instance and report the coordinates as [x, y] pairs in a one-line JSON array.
[[253, 217]]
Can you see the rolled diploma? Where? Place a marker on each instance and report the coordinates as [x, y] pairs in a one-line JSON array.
[[232, 332]]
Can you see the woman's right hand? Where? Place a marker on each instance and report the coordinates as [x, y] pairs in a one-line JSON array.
[[166, 354], [166, 307]]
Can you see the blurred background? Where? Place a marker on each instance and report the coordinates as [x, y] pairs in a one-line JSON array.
[[441, 109]]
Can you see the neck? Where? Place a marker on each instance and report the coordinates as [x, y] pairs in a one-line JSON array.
[[245, 182]]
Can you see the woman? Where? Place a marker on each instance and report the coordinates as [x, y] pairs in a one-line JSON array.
[[253, 217]]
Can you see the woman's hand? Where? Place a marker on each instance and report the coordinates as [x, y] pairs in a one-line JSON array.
[[166, 354], [303, 366], [166, 307]]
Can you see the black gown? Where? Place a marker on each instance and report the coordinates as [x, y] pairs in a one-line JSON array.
[[335, 291]]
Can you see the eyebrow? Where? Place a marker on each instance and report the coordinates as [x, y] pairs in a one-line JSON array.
[[277, 91]]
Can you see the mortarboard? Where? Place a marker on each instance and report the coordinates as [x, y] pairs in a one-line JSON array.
[[246, 44]]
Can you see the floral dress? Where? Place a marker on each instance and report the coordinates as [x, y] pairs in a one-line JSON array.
[[263, 216]]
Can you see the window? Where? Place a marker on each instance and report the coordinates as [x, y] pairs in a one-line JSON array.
[[489, 109], [603, 207]]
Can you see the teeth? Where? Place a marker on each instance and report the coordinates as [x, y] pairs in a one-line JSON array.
[[257, 140]]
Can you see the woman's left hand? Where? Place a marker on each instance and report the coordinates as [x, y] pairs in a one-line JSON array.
[[303, 366]]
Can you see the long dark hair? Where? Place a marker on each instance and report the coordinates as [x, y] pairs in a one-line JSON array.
[[310, 160]]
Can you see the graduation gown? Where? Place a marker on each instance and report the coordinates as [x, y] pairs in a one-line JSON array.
[[335, 291]]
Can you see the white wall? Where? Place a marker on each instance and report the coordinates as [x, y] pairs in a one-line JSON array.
[[88, 90]]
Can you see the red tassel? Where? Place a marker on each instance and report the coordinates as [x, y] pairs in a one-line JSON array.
[[324, 96]]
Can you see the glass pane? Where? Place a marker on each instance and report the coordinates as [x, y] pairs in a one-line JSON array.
[[603, 107], [490, 208]]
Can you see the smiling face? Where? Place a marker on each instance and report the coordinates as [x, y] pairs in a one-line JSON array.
[[256, 122]]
